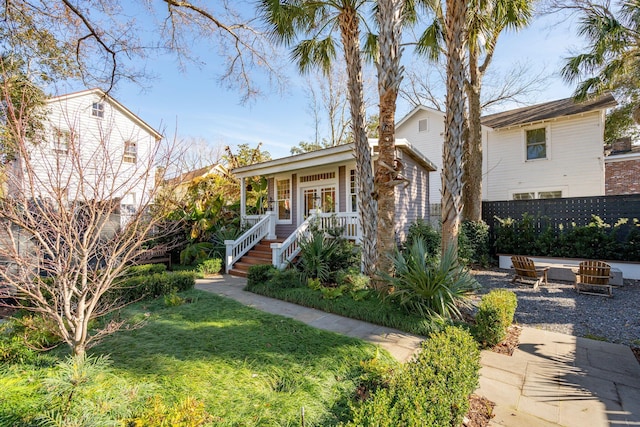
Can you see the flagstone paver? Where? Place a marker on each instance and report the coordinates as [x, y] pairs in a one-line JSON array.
[[551, 379]]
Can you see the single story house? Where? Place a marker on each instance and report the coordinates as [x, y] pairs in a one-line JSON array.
[[322, 184]]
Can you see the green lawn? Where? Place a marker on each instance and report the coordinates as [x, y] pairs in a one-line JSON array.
[[247, 367]]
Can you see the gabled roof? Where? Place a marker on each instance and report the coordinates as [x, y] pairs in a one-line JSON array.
[[415, 110], [339, 153], [546, 111], [197, 173], [101, 94]]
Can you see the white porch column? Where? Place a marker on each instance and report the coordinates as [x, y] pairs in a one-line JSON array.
[[243, 199], [272, 225]]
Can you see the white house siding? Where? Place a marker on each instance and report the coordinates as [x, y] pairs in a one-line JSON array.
[[100, 142], [428, 142], [411, 201], [574, 161]]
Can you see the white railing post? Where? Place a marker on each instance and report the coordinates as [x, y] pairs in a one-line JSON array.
[[272, 225], [276, 255], [228, 260]]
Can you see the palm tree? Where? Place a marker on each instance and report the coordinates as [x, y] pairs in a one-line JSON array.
[[455, 41], [613, 60], [318, 20], [390, 20], [487, 20]]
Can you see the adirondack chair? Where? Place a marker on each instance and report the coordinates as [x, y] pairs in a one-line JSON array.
[[526, 272], [593, 275]]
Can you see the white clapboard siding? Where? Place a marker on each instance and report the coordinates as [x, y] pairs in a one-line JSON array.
[[428, 142], [574, 161], [411, 200], [101, 142]]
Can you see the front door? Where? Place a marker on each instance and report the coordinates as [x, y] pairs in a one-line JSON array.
[[323, 198]]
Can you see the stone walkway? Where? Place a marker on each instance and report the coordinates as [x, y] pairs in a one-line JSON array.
[[551, 379]]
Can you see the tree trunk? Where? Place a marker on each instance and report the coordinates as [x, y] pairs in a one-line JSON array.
[[454, 125], [472, 177], [364, 170], [389, 78]]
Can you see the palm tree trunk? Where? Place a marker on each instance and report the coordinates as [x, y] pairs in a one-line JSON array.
[[454, 124], [472, 177], [367, 208], [389, 78]]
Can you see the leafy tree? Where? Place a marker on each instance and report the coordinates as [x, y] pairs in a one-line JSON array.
[[315, 22], [612, 61]]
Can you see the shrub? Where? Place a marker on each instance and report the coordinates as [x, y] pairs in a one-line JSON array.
[[146, 269], [495, 315], [473, 243], [196, 252], [259, 274], [172, 299], [323, 255], [210, 266], [150, 286], [431, 390], [284, 279], [423, 231], [430, 289]]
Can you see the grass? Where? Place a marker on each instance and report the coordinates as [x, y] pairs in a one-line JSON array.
[[368, 307], [247, 367]]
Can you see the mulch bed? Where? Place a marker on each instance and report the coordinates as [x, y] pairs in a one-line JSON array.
[[480, 411], [636, 352], [511, 342]]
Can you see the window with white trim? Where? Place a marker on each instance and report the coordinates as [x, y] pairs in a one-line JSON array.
[[130, 152], [61, 141], [353, 190], [97, 109], [530, 195], [283, 198], [536, 140]]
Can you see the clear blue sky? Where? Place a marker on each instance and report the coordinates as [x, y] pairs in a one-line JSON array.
[[194, 103]]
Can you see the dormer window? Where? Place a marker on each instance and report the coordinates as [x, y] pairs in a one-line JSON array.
[[130, 152], [97, 109]]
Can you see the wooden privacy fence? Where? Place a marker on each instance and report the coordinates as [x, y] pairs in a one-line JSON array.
[[556, 212]]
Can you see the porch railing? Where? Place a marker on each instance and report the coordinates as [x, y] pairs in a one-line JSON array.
[[284, 253], [349, 221], [251, 220], [237, 248]]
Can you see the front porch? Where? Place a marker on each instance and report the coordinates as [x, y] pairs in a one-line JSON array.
[[262, 245]]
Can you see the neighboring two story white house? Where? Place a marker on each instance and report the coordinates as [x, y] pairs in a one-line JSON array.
[[92, 148], [549, 150]]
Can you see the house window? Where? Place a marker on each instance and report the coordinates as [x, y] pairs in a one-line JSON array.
[[536, 144], [353, 190], [283, 197], [61, 141], [549, 194], [423, 125], [97, 109], [530, 195], [524, 196], [130, 152]]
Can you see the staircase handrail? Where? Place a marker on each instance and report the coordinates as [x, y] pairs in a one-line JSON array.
[[285, 252], [237, 248]]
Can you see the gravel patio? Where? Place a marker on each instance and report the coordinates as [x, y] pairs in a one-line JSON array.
[[558, 307]]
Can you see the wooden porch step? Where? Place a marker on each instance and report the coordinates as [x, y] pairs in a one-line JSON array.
[[260, 254]]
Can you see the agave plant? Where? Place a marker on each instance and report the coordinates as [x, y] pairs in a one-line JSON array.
[[430, 287]]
